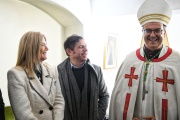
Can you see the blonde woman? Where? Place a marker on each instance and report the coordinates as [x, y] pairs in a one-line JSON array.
[[33, 85]]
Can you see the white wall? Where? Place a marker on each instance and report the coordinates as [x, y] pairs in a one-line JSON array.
[[129, 38], [17, 18], [173, 30]]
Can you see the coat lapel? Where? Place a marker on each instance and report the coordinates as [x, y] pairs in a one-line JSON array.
[[47, 79], [65, 81], [48, 83], [43, 90]]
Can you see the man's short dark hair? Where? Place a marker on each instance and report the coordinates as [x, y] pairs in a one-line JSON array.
[[71, 41]]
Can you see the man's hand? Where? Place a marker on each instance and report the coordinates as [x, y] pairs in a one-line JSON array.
[[135, 118], [149, 118]]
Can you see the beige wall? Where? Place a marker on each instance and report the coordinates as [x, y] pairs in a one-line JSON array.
[[20, 16], [17, 18]]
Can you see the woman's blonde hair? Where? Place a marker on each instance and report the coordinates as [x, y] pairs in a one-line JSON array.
[[29, 51]]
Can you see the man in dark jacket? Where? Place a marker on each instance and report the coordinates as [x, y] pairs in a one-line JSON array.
[[83, 87], [2, 117]]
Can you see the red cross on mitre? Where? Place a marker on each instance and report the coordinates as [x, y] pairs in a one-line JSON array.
[[165, 80], [131, 76]]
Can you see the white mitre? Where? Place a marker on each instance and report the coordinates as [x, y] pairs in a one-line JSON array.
[[154, 11]]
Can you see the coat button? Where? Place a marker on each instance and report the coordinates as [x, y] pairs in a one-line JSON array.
[[41, 111], [51, 108]]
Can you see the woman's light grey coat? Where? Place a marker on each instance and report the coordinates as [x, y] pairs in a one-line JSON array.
[[30, 100]]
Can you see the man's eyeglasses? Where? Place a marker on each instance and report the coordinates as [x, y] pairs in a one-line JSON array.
[[156, 31]]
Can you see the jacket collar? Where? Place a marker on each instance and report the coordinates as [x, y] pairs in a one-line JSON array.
[[43, 90]]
